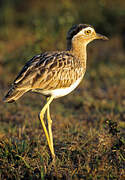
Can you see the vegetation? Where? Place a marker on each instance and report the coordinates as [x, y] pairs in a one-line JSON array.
[[88, 124]]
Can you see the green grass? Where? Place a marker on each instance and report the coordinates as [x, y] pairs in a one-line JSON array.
[[88, 124], [88, 129]]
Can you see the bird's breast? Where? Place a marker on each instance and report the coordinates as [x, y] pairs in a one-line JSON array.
[[59, 92]]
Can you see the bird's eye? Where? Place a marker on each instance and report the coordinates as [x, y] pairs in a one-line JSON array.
[[87, 32]]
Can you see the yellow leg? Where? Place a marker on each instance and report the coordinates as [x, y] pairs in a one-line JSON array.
[[49, 100], [50, 130]]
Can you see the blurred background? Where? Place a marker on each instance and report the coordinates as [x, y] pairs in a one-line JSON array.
[[38, 25], [31, 27], [28, 28]]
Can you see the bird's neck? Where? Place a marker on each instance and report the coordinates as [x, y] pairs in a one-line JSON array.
[[78, 49]]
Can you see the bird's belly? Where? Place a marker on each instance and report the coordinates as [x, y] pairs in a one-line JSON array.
[[62, 91]]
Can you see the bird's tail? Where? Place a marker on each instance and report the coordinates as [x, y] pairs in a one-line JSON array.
[[13, 94]]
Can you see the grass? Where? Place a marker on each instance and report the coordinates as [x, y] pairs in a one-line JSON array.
[[88, 124], [88, 128]]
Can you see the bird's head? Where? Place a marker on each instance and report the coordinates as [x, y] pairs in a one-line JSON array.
[[82, 33]]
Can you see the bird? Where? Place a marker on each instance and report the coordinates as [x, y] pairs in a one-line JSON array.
[[55, 74]]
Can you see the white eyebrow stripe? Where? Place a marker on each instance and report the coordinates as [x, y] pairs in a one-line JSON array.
[[85, 29]]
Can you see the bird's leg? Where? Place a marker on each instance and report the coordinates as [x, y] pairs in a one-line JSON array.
[[50, 130], [49, 100]]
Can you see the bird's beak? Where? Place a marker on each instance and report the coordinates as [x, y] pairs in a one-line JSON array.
[[99, 36]]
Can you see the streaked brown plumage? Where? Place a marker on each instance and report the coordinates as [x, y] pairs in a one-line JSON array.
[[55, 74], [47, 71]]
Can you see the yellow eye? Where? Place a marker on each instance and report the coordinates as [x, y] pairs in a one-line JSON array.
[[87, 32]]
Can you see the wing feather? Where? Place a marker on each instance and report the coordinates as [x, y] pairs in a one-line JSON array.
[[48, 71]]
